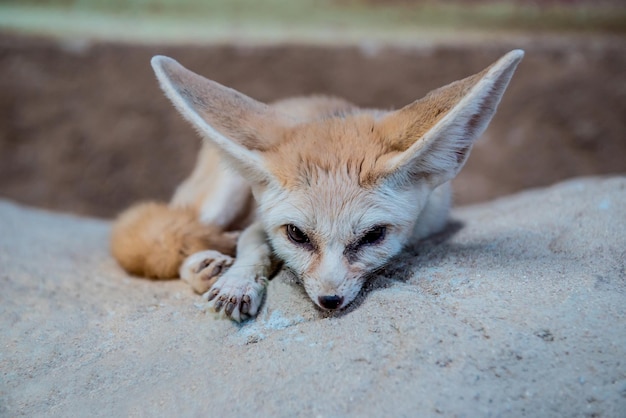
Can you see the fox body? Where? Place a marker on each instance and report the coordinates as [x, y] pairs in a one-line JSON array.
[[331, 190]]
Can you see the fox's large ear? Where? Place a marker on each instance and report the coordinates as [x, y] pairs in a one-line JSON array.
[[237, 124], [434, 135]]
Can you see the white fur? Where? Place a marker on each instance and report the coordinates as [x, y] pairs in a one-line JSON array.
[[337, 212], [232, 193]]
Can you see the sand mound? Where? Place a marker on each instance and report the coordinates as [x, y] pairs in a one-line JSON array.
[[519, 309]]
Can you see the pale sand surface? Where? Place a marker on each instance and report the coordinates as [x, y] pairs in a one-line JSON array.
[[520, 310]]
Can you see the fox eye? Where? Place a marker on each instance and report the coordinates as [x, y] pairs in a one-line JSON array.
[[296, 236], [373, 236]]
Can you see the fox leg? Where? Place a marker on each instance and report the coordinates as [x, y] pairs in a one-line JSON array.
[[202, 269], [240, 290], [220, 196]]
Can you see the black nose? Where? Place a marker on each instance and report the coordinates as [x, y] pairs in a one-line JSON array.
[[330, 302]]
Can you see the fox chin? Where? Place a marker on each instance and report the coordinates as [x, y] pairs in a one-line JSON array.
[[331, 190]]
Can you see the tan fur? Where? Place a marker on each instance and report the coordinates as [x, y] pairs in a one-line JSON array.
[[330, 143], [356, 183], [313, 107], [153, 239]]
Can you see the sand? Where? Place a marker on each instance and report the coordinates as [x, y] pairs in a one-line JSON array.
[[519, 309]]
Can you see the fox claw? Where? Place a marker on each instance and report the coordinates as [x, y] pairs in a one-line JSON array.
[[230, 306], [212, 294], [245, 304], [239, 295]]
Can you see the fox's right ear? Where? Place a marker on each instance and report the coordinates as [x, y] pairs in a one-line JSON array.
[[238, 125]]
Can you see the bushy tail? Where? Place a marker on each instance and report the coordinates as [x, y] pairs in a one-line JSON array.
[[153, 239]]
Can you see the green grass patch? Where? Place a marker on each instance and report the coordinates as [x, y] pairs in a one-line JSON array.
[[297, 19]]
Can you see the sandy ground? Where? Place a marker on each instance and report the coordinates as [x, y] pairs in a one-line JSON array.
[[518, 310]]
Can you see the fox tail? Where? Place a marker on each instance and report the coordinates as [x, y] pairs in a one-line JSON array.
[[153, 239]]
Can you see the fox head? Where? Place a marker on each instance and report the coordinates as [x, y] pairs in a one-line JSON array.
[[341, 193]]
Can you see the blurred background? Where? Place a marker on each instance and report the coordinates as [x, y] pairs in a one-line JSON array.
[[84, 127]]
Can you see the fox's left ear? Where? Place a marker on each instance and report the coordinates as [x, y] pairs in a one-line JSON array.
[[434, 135]]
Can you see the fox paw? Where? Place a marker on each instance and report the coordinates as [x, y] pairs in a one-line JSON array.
[[239, 295], [201, 270]]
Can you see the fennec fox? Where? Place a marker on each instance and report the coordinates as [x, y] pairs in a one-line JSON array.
[[330, 190]]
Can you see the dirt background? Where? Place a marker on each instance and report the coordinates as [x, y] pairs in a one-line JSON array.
[[84, 127]]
